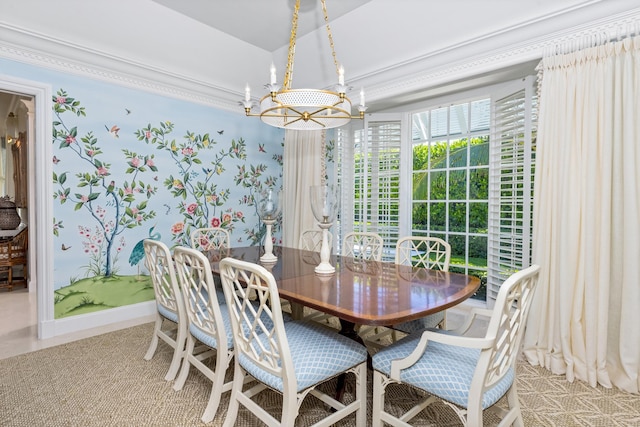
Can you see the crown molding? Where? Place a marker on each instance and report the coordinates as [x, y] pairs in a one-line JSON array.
[[39, 50], [461, 61]]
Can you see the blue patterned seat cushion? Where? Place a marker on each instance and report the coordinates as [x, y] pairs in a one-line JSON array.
[[443, 370], [318, 354], [167, 314], [206, 338], [426, 322]]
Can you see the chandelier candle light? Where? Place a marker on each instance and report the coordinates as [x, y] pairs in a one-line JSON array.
[[304, 109], [268, 210], [324, 204]]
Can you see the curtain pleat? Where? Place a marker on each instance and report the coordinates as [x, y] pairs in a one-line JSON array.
[[585, 322], [303, 167]]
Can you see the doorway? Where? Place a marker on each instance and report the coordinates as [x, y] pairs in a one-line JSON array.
[[29, 101]]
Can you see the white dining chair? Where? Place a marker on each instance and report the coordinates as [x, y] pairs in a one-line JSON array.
[[469, 374], [204, 239], [170, 319], [291, 358], [208, 325], [426, 252], [311, 240], [363, 245]]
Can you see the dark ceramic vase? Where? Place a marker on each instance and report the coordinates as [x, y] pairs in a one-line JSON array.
[[9, 218]]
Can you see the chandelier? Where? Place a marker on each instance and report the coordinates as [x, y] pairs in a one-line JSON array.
[[304, 109]]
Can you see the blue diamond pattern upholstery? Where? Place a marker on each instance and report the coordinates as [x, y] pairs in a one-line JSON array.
[[443, 370], [167, 314], [317, 352]]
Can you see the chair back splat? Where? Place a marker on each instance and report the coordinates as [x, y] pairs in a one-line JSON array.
[[311, 240], [291, 358], [363, 245], [205, 239], [469, 374], [427, 252]]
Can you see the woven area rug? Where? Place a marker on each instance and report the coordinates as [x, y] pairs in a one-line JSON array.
[[104, 381]]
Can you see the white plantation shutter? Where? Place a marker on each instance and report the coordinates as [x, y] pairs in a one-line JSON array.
[[369, 173], [510, 186]]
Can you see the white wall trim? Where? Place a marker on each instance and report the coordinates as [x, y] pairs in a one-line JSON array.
[[96, 319], [40, 195], [36, 49], [408, 77]]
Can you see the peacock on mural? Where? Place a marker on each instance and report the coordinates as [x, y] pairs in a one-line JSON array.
[[137, 253]]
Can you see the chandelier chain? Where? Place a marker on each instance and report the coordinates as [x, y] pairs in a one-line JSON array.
[[288, 74], [333, 50]]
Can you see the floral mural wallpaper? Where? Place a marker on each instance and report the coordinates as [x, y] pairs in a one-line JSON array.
[[130, 165]]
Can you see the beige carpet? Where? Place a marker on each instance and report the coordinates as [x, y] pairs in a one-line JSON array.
[[104, 381]]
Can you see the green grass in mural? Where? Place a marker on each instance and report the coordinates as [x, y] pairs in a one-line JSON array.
[[100, 293]]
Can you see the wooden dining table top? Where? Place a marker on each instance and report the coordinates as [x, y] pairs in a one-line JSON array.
[[363, 292]]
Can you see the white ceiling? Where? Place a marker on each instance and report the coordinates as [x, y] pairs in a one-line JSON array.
[[263, 23]]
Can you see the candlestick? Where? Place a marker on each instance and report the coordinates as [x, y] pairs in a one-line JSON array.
[[247, 93], [341, 76], [362, 97], [273, 74]]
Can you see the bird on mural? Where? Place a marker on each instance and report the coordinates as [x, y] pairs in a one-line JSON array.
[[220, 132], [128, 111], [137, 253], [113, 131]]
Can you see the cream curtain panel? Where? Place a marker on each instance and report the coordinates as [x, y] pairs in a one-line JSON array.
[[586, 319], [303, 167]]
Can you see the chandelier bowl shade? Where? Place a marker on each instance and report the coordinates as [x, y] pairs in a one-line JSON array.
[[306, 109]]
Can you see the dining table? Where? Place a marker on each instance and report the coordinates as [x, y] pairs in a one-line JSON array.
[[360, 292]]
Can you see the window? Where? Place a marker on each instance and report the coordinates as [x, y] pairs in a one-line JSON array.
[[450, 181], [462, 172], [369, 172]]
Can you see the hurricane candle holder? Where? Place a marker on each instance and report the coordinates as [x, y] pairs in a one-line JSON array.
[[268, 210], [324, 205]]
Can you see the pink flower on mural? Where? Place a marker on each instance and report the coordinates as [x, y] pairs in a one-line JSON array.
[[215, 222], [187, 151], [150, 163], [61, 100], [102, 171], [177, 184], [128, 190], [84, 199], [177, 228], [239, 215], [135, 162], [192, 208], [147, 134], [70, 139], [90, 153], [226, 218]]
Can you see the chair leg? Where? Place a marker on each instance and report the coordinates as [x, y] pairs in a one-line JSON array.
[[222, 362], [154, 340], [236, 389], [186, 364], [514, 405], [178, 353], [378, 399], [361, 394]]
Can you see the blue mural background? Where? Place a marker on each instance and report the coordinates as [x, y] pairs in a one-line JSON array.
[[116, 117]]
